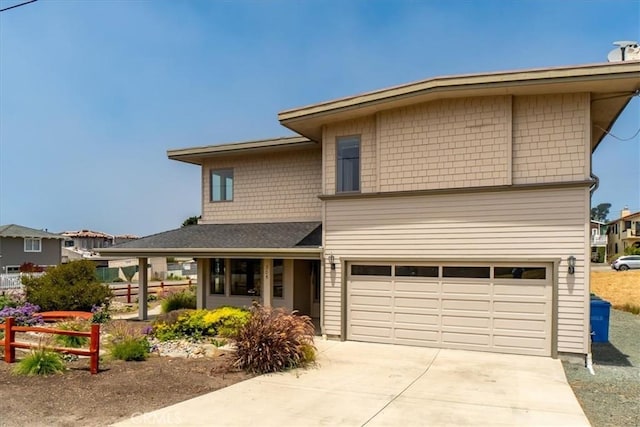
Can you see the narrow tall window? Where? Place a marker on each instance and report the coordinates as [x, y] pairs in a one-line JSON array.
[[348, 164], [278, 278], [32, 245], [221, 185], [217, 276]]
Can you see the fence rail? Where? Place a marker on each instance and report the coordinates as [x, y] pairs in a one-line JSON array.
[[130, 290], [10, 343]]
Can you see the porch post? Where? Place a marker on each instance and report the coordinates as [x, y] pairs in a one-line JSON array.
[[202, 283], [143, 289], [267, 281]]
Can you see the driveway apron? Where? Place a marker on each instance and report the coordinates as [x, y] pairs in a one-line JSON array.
[[358, 384]]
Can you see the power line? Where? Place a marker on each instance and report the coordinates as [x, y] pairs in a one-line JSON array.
[[619, 139], [17, 5]]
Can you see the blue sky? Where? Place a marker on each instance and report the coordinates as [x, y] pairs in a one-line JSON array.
[[93, 93]]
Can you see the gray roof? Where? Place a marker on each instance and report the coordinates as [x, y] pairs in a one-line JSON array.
[[13, 230], [278, 235]]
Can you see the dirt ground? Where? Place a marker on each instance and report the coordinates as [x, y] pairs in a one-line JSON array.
[[119, 391]]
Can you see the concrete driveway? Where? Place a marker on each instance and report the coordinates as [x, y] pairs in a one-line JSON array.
[[359, 384]]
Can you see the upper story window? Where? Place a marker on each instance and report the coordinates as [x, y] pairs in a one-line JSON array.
[[32, 245], [221, 185], [348, 164]]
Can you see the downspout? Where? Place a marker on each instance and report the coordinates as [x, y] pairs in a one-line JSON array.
[[588, 363]]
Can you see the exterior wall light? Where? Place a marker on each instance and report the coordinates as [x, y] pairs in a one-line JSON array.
[[332, 261], [572, 264]]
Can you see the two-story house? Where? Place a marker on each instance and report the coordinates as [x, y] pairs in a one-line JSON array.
[[623, 233], [20, 245], [451, 212]]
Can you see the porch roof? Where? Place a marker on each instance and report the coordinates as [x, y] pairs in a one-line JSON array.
[[248, 239]]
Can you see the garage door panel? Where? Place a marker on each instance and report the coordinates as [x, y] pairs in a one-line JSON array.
[[365, 331], [466, 338], [363, 301], [415, 287], [418, 320], [520, 289], [369, 315], [483, 289], [432, 336], [524, 307], [519, 342], [534, 325], [504, 315], [371, 285], [466, 321], [427, 303], [451, 305]]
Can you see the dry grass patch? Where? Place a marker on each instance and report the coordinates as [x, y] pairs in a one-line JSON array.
[[620, 288]]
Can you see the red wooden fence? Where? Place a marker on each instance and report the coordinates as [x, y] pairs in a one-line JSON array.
[[132, 290], [10, 343]]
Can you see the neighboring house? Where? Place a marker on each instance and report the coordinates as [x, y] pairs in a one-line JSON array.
[[19, 245], [87, 240], [598, 240], [447, 213], [623, 232]]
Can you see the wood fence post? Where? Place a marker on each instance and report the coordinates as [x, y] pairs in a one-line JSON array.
[[9, 338], [129, 293], [162, 289], [94, 347]]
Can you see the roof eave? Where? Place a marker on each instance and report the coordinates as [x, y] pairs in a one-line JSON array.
[[314, 252], [196, 155], [308, 120]]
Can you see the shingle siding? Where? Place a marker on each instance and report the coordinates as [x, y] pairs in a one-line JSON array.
[[549, 138], [281, 186]]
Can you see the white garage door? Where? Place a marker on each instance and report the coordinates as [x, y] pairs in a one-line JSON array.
[[504, 308]]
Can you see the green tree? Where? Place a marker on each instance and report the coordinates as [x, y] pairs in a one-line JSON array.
[[600, 212], [72, 286], [192, 220]]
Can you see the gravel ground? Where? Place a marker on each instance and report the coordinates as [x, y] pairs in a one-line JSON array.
[[611, 397]]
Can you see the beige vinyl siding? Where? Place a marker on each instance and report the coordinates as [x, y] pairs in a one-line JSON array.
[[551, 138], [546, 225], [280, 186]]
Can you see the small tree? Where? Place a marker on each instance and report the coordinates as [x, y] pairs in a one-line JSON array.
[[192, 220], [72, 286], [600, 212]]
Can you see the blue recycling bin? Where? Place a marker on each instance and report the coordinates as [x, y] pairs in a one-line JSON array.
[[600, 312]]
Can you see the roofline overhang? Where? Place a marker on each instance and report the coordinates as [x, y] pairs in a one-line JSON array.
[[195, 155], [308, 120], [309, 253]]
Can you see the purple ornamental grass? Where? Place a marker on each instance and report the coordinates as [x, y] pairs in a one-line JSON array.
[[23, 315]]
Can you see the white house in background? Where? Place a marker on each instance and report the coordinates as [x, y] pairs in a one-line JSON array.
[[451, 212]]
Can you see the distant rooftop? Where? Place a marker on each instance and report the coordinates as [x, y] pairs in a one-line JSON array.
[[14, 230]]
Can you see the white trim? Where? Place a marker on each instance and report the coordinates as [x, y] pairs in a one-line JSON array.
[[33, 239]]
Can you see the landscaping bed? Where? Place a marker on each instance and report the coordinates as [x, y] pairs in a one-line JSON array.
[[119, 391]]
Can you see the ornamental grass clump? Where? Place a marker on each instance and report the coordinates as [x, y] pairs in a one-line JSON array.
[[179, 300], [274, 340], [41, 361], [70, 340], [126, 341]]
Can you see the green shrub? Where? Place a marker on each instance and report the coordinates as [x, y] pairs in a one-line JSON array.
[[274, 340], [131, 349], [196, 324], [72, 286], [177, 300], [40, 361], [69, 340]]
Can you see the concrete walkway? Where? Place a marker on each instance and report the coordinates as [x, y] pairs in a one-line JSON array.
[[357, 384]]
